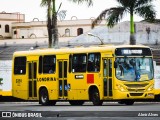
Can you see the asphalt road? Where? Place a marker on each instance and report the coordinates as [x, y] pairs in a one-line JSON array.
[[63, 110]]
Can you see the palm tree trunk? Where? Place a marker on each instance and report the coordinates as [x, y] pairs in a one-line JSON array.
[[54, 30], [132, 33], [54, 24], [49, 33], [49, 24]]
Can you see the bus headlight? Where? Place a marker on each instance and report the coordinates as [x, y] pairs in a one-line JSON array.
[[151, 87], [121, 88]]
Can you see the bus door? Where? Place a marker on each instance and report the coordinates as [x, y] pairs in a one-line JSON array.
[[32, 79], [62, 77], [107, 77]]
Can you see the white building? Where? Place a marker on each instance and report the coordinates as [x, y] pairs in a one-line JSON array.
[[13, 25], [6, 20]]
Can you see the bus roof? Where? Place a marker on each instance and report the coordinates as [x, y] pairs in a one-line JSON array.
[[78, 49]]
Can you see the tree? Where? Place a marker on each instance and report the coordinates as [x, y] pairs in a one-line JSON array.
[[52, 18], [143, 8]]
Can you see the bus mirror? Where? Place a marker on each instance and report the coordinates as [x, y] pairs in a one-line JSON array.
[[115, 64]]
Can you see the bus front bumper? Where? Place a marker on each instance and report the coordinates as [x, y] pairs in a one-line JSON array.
[[133, 95]]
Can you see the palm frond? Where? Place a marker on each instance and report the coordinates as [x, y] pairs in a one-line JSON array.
[[45, 3], [115, 15], [126, 3], [142, 2], [99, 19], [147, 12], [89, 2], [62, 14]]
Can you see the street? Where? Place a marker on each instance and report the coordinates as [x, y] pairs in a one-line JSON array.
[[63, 110]]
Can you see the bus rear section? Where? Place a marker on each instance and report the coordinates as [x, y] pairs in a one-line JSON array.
[[24, 77]]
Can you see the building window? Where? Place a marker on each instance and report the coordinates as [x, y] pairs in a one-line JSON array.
[[79, 31], [6, 28], [67, 32], [15, 32]]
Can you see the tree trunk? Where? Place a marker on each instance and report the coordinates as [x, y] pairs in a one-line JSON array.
[[132, 32], [49, 24], [49, 33], [54, 30], [132, 39]]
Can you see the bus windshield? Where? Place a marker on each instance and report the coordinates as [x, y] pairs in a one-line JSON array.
[[134, 69]]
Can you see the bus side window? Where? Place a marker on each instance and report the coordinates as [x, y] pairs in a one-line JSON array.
[[93, 62], [49, 64], [20, 65], [79, 63]]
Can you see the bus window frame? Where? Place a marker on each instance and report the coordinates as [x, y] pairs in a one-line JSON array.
[[20, 57], [73, 68], [42, 62], [95, 53]]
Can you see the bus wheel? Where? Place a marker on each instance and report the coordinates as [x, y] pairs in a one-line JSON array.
[[129, 102], [76, 102], [95, 98], [43, 97]]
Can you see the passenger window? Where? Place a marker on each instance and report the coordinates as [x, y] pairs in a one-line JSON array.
[[20, 65], [49, 64], [93, 62], [79, 63]]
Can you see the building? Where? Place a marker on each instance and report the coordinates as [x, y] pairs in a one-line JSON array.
[[6, 20]]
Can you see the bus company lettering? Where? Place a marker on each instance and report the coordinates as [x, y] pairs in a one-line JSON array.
[[46, 79]]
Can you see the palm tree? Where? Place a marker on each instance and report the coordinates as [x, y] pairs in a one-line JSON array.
[[49, 22], [143, 8], [52, 18]]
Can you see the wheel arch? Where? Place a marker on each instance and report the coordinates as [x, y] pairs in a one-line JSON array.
[[90, 90], [40, 88]]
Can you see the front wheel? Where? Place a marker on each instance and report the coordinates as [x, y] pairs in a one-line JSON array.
[[95, 98]]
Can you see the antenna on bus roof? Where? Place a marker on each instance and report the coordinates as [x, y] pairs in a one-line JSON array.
[[90, 34]]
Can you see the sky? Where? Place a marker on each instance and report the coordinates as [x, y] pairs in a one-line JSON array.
[[32, 9]]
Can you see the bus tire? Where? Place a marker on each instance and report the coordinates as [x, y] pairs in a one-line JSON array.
[[43, 97], [129, 102], [95, 98], [76, 102]]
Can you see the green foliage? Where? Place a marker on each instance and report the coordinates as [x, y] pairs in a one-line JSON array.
[[1, 79]]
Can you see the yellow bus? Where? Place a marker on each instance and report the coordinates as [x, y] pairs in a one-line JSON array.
[[121, 73]]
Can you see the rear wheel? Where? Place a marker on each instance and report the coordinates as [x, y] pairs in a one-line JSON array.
[[43, 97], [95, 97], [76, 102]]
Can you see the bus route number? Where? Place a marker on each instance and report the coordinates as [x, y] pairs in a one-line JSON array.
[[18, 81]]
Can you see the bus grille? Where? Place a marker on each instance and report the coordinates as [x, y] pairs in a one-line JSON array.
[[136, 89], [136, 85], [136, 94]]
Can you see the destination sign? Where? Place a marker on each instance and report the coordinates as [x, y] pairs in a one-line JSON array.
[[133, 51]]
